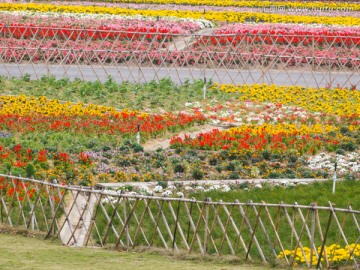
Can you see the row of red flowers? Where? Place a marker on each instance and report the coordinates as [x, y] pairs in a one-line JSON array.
[[247, 141], [239, 33], [21, 31], [27, 191], [287, 34], [18, 51], [118, 124]]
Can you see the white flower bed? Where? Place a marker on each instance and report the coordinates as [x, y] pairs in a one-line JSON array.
[[180, 190], [345, 163]]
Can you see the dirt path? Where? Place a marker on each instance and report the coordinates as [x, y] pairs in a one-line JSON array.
[[152, 145]]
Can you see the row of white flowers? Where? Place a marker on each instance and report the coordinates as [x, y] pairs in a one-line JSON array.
[[349, 162], [181, 191]]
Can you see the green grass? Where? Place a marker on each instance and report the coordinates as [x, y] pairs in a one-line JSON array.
[[20, 252], [346, 193], [152, 96], [320, 193]]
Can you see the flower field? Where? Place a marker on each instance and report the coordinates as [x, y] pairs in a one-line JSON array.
[[118, 33], [277, 132], [85, 133], [228, 16]]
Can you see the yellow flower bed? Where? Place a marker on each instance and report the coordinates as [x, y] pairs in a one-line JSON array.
[[251, 4], [335, 253], [228, 16], [287, 128], [23, 105], [331, 101]]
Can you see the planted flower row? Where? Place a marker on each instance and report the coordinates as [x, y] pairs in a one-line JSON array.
[[228, 3], [333, 253], [26, 115], [27, 192], [222, 16], [73, 29], [337, 101], [42, 164], [144, 48], [97, 21], [263, 139], [313, 10], [289, 34]]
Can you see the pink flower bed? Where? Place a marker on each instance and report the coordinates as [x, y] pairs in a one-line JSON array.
[[82, 51], [201, 8], [233, 46], [288, 34]]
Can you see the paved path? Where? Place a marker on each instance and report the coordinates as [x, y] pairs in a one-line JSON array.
[[179, 45], [82, 207], [181, 74]]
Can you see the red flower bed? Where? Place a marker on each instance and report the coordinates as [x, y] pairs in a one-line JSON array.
[[247, 141], [119, 124]]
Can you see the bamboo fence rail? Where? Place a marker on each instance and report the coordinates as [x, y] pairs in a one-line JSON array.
[[250, 58], [256, 232]]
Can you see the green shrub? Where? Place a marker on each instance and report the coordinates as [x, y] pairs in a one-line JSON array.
[[266, 154], [163, 184], [137, 148], [349, 146], [213, 161], [30, 170], [275, 175], [179, 168], [197, 174], [234, 175]]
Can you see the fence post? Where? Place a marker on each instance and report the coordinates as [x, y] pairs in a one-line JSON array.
[[125, 217], [1, 206], [189, 224], [312, 240], [206, 205], [111, 219], [253, 231], [126, 222], [325, 236], [176, 224], [93, 220]]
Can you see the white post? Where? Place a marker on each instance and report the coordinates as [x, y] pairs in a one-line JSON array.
[[334, 178], [138, 134], [32, 217], [204, 88], [334, 182]]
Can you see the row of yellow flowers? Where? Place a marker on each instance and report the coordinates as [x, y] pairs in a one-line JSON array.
[[288, 128], [228, 16], [252, 4], [331, 101], [24, 105], [334, 253]]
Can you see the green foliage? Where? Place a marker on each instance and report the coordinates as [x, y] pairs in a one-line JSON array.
[[163, 184], [197, 173], [179, 168], [319, 192], [30, 170]]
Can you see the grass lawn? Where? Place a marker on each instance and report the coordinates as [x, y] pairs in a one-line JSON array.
[[20, 252]]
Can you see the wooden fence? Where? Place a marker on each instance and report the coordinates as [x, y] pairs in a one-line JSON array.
[[281, 234], [309, 60]]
